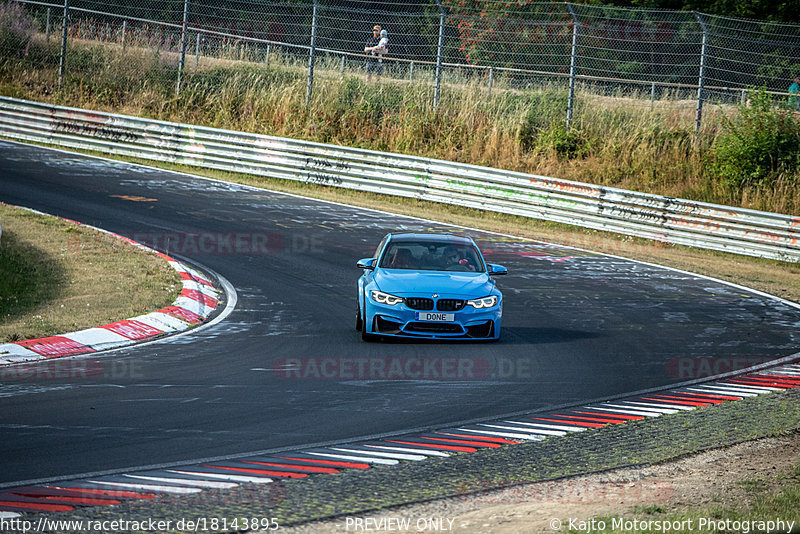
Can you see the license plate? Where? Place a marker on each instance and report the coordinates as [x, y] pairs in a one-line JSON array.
[[431, 316]]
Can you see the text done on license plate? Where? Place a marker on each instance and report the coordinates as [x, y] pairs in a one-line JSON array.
[[432, 316]]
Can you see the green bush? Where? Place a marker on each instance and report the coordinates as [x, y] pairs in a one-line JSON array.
[[567, 144], [545, 110], [759, 145], [543, 128]]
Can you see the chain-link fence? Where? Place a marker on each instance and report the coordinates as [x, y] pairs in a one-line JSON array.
[[651, 54]]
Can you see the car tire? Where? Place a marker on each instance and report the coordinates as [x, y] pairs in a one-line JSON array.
[[359, 320], [366, 336]]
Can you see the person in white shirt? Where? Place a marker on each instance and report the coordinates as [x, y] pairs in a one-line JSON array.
[[377, 51]]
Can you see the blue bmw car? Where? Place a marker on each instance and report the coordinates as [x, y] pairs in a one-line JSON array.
[[433, 286]]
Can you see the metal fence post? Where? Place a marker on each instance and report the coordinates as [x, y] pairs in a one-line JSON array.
[[572, 66], [197, 51], [312, 54], [439, 54], [652, 95], [491, 80], [342, 65], [124, 32], [47, 31], [183, 45], [266, 57], [62, 61], [411, 71], [702, 80]]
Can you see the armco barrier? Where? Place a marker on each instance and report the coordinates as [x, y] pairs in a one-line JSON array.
[[683, 222]]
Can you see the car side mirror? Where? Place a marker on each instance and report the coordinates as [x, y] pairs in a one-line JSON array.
[[366, 263], [496, 270]]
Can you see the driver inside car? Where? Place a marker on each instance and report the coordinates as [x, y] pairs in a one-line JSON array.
[[451, 258]]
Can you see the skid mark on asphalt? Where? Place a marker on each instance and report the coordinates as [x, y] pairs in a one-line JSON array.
[[303, 463]]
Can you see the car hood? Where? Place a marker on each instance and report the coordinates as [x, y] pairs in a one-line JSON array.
[[425, 283]]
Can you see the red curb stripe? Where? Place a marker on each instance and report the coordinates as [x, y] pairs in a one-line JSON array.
[[668, 400], [110, 493], [788, 384], [574, 423], [307, 468], [352, 465], [592, 419], [766, 382], [133, 329], [194, 276], [197, 296], [765, 379], [614, 415], [711, 396], [681, 396], [481, 438], [82, 501], [784, 378], [432, 446], [758, 384], [54, 346], [182, 313], [37, 506], [464, 442], [188, 276], [282, 474]]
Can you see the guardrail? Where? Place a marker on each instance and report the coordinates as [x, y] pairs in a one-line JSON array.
[[672, 220]]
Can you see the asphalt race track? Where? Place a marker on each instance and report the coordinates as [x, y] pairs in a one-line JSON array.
[[287, 368]]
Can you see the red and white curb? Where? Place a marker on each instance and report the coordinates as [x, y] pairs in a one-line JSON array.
[[419, 446], [198, 299]]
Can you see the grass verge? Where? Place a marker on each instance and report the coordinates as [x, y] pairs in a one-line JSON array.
[[769, 512], [57, 276], [774, 506]]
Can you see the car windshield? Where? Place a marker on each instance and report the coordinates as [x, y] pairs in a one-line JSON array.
[[432, 256]]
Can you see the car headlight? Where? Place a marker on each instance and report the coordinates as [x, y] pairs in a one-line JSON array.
[[484, 302], [385, 298]]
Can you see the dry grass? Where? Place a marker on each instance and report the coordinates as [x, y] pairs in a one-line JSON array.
[[57, 277], [619, 140]]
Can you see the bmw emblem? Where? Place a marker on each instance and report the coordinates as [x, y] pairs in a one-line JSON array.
[[435, 295]]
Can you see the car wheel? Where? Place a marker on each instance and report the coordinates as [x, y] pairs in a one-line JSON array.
[[359, 320], [366, 336]]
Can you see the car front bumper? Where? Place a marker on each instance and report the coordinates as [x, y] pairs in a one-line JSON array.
[[401, 321]]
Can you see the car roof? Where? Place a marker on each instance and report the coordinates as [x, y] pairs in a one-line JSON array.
[[431, 237]]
